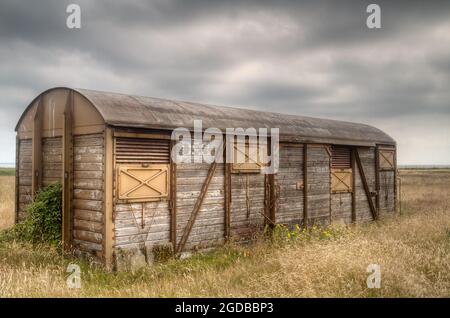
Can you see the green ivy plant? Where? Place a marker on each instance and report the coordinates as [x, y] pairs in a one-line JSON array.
[[43, 221]]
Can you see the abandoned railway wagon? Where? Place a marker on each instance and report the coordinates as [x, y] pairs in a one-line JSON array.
[[124, 195]]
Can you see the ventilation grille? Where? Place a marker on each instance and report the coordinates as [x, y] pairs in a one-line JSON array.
[[340, 157], [142, 151]]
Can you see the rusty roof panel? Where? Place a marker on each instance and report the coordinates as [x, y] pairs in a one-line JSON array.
[[155, 113], [148, 112]]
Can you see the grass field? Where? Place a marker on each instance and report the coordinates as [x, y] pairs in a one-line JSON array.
[[412, 249], [7, 171], [6, 199]]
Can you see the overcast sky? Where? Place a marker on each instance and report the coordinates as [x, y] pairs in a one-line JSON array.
[[314, 58]]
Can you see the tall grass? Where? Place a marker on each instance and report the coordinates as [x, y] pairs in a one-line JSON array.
[[413, 251], [6, 201]]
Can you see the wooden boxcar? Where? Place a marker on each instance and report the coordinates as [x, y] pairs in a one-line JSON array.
[[124, 198]]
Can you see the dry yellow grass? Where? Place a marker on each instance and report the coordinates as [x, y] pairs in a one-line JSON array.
[[6, 201], [413, 251]]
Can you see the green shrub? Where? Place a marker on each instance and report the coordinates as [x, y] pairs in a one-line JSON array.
[[281, 234], [43, 221]]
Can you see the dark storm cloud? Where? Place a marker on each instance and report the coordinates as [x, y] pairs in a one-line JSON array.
[[315, 58]]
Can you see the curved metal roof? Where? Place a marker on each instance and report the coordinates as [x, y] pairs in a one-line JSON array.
[[148, 112]]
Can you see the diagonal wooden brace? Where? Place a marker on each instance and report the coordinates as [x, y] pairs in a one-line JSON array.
[[197, 206], [365, 185]]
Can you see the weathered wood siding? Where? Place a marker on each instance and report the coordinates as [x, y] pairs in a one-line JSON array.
[[208, 229], [247, 205], [51, 160], [148, 224], [139, 224], [367, 156], [387, 198], [290, 174], [24, 188], [341, 203], [387, 183], [341, 208], [318, 165], [88, 193]]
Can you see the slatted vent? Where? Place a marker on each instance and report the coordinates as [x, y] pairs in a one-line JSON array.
[[340, 157], [142, 151]]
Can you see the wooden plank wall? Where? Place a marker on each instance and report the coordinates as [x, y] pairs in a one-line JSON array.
[[247, 205], [387, 199], [88, 193], [289, 178], [318, 185], [341, 207], [135, 228], [208, 229], [24, 188], [51, 160], [367, 156], [140, 224]]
